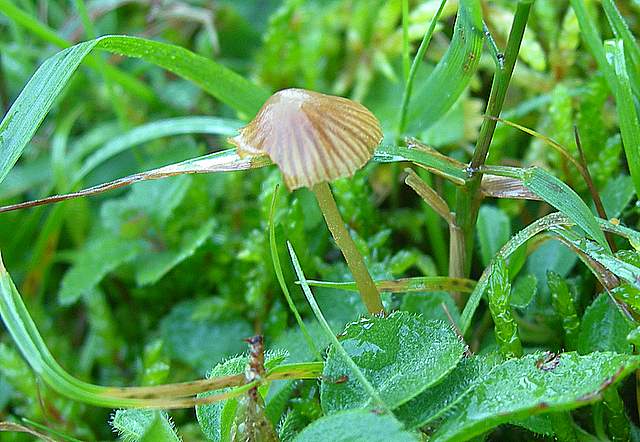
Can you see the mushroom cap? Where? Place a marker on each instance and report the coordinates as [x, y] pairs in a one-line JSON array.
[[312, 137]]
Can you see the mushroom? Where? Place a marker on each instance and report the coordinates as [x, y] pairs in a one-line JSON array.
[[314, 139]]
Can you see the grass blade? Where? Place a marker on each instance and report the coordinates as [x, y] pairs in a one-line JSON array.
[[277, 267], [557, 194], [622, 32], [410, 77], [453, 72], [37, 98], [331, 335], [429, 159], [224, 161], [627, 113]]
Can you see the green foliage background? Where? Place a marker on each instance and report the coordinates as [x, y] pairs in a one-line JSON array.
[[160, 282]]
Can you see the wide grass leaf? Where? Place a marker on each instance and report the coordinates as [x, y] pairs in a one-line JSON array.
[[453, 72], [563, 198], [400, 355], [38, 96], [536, 383], [355, 426]]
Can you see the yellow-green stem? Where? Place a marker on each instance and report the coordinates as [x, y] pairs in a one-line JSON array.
[[355, 261]]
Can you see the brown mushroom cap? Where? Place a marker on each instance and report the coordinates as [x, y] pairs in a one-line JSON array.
[[312, 137]]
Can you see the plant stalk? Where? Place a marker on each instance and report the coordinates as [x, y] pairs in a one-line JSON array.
[[355, 261], [469, 196]]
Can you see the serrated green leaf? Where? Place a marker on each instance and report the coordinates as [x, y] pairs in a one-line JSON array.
[[603, 328], [355, 426], [160, 431], [494, 230], [536, 383], [401, 355], [216, 419], [431, 306], [143, 425], [437, 400], [93, 262]]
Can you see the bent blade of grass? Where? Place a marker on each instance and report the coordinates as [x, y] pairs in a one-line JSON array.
[[277, 267], [511, 246], [229, 161], [37, 97], [406, 285], [224, 161], [453, 72], [556, 193], [627, 113], [429, 159], [375, 396], [27, 338], [552, 222], [410, 74]]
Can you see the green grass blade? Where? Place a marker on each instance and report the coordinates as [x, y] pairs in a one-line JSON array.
[[591, 37], [223, 161], [36, 99], [622, 32], [432, 160], [411, 73], [277, 267], [25, 334], [563, 198], [219, 81], [330, 334], [130, 83], [556, 193], [511, 246], [453, 72], [627, 113]]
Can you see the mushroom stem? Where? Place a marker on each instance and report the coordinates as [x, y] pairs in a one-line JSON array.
[[355, 261]]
